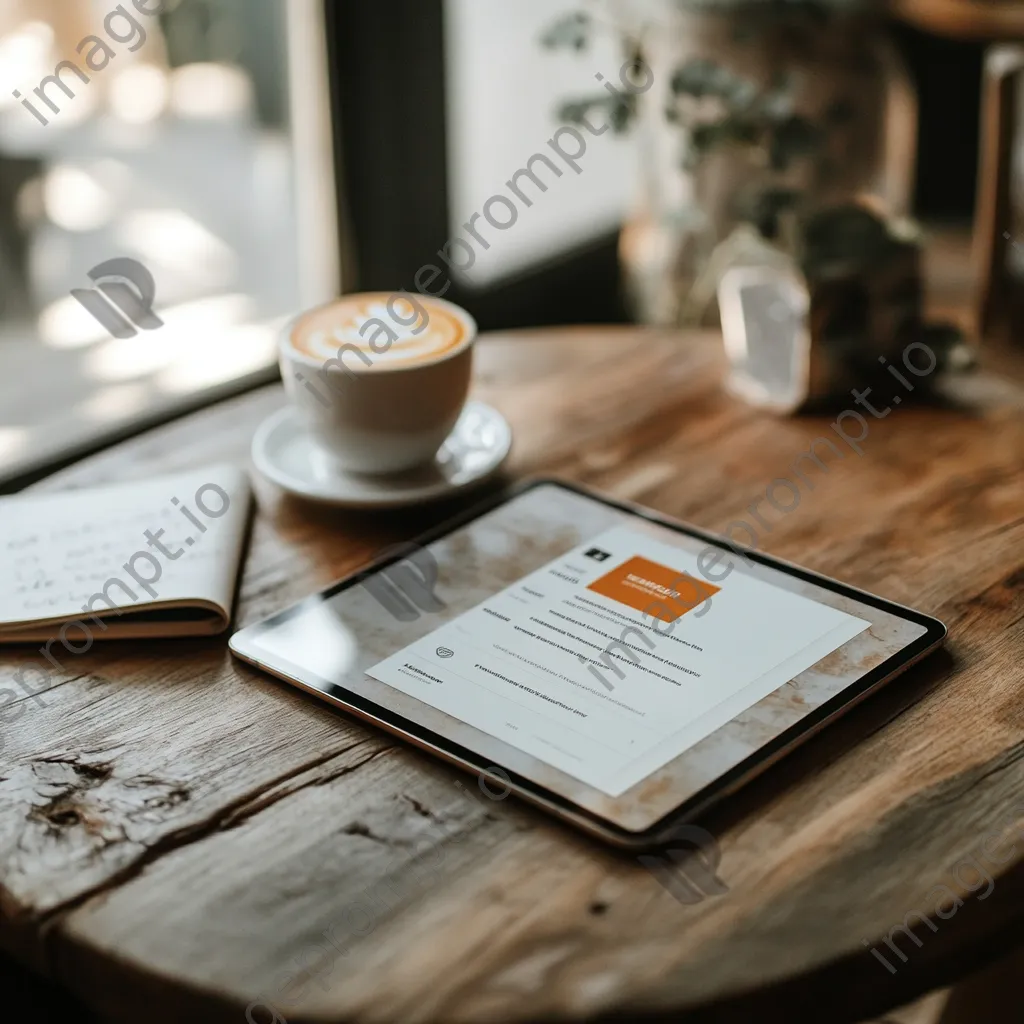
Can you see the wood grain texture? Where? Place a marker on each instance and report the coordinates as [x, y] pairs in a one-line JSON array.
[[180, 835]]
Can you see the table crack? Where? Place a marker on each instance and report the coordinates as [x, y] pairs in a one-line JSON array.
[[230, 816]]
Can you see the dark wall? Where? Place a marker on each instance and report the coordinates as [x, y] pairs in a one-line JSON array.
[[948, 78]]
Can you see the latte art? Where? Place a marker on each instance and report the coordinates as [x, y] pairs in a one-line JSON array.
[[387, 330]]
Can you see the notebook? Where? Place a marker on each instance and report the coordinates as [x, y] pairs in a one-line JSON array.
[[152, 558]]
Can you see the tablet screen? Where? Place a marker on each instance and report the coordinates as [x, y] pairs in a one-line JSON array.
[[610, 659]]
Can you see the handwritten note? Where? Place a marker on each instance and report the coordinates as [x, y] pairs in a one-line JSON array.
[[160, 541]]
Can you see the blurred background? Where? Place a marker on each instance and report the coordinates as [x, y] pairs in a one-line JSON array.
[[259, 156], [179, 152]]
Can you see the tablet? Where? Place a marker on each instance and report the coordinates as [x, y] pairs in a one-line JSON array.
[[617, 668]]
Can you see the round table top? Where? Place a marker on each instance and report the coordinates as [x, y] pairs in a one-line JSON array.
[[179, 832]]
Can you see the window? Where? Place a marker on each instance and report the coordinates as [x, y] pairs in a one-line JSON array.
[[503, 90], [155, 224]]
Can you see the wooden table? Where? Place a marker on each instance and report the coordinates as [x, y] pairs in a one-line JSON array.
[[178, 831]]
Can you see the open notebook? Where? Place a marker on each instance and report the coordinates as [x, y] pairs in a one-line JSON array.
[[151, 558]]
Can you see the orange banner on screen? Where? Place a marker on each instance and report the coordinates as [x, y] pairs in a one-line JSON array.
[[658, 591]]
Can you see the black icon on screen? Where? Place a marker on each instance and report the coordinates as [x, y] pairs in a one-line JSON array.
[[597, 554]]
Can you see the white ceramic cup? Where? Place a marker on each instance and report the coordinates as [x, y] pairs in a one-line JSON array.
[[379, 379]]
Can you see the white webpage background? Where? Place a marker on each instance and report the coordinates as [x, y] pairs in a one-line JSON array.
[[515, 669]]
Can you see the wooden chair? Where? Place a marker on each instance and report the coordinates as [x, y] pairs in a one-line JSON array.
[[1000, 305], [1000, 301]]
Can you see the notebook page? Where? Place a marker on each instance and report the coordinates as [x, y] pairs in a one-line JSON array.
[[131, 546]]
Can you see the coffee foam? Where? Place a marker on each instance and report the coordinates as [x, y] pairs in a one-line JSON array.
[[390, 330]]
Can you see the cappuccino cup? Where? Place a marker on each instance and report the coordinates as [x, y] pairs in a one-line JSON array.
[[379, 379]]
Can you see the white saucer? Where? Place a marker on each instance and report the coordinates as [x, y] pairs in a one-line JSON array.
[[286, 454]]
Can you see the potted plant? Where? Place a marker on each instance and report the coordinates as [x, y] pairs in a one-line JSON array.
[[761, 110]]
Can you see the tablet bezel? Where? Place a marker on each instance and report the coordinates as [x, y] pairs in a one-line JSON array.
[[245, 645]]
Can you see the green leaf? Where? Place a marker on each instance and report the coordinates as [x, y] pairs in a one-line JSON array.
[[700, 77], [571, 31], [705, 137], [792, 138], [616, 111], [621, 114]]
